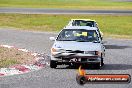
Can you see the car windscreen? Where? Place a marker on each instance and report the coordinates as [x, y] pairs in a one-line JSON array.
[[80, 35], [83, 23]]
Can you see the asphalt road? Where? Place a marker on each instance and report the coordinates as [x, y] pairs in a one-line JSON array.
[[62, 11], [118, 61]]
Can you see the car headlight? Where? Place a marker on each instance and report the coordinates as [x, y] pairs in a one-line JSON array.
[[98, 53], [89, 52], [93, 52], [53, 50], [57, 50]]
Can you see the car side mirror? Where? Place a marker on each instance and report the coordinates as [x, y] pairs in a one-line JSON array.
[[101, 38], [52, 38]]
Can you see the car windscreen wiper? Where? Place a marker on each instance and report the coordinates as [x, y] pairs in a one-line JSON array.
[[87, 41], [65, 40], [96, 41], [81, 41]]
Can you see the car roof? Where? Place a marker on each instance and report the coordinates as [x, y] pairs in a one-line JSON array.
[[83, 19], [80, 27]]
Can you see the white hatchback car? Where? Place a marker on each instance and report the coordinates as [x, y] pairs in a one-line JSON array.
[[85, 22], [77, 45]]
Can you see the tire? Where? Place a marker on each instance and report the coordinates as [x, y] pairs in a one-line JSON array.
[[97, 66], [75, 65], [102, 62], [53, 64]]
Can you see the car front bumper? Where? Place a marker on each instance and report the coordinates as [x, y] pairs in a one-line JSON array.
[[76, 58]]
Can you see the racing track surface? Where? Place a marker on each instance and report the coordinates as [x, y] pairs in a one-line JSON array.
[[62, 11], [118, 60]]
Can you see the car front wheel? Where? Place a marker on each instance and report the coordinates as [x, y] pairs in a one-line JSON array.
[[102, 62], [97, 66], [53, 64]]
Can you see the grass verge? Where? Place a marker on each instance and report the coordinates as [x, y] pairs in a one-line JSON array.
[[67, 4], [110, 25], [10, 57]]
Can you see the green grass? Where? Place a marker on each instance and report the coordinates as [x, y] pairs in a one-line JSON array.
[[109, 24], [7, 62], [12, 56], [68, 4]]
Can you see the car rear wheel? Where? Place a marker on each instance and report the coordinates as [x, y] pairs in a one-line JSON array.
[[53, 64]]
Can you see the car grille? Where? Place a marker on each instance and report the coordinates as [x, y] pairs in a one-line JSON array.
[[79, 51], [75, 51]]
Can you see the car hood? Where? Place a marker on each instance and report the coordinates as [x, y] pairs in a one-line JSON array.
[[73, 45]]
